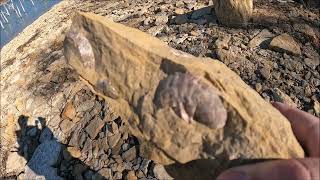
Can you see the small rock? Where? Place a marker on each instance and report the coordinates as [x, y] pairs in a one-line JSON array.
[[179, 11], [144, 166], [66, 125], [46, 135], [160, 172], [15, 163], [70, 112], [284, 43], [94, 127], [113, 140], [130, 155], [258, 87], [131, 176], [312, 63], [223, 42], [265, 72], [85, 106], [118, 175], [74, 152]]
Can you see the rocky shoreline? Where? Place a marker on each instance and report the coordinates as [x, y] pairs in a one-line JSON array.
[[43, 101]]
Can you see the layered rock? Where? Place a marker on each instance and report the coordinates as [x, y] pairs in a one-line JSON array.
[[234, 12], [141, 78]]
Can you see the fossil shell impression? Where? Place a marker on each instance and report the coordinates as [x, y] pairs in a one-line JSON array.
[[191, 99]]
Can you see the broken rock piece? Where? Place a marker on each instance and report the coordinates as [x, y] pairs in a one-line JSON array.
[[160, 90]]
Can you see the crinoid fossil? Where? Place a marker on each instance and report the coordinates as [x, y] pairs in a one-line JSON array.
[[191, 99]]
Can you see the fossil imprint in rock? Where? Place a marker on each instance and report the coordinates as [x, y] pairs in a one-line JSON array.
[[191, 99]]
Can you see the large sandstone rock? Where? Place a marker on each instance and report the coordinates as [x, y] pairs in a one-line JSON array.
[[234, 12], [183, 109]]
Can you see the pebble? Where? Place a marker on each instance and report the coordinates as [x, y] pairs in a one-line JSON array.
[[130, 154], [94, 127]]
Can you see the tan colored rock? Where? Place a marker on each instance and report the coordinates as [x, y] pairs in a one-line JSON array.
[[74, 152], [234, 12], [284, 43], [70, 112], [133, 71], [15, 164]]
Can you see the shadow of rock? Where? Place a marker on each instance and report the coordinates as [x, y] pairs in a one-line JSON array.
[[44, 156], [205, 168], [201, 16]]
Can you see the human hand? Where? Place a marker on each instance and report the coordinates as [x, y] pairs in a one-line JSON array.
[[307, 130]]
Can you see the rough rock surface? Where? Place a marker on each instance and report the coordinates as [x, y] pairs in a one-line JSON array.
[[134, 65], [234, 12]]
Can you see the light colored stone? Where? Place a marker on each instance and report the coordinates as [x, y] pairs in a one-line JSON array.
[[130, 154], [160, 172], [94, 127], [234, 12], [284, 43], [15, 164], [134, 63], [131, 176]]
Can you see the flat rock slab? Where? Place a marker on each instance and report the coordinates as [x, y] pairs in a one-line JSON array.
[[284, 43], [216, 119]]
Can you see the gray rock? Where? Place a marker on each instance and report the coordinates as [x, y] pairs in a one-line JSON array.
[[66, 126], [144, 166], [106, 173], [312, 63], [113, 140], [130, 154], [45, 156], [265, 72], [155, 30], [94, 127], [85, 106]]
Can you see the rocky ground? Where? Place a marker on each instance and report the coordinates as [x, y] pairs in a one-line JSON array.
[[45, 107]]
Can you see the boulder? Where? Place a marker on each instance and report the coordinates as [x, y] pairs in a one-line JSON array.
[[234, 12], [183, 109]]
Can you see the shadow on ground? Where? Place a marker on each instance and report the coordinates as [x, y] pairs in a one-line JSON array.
[[44, 153]]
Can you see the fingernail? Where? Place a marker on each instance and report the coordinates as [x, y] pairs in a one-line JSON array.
[[233, 175]]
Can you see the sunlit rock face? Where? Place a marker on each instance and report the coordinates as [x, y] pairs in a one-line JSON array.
[[182, 109], [234, 12]]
